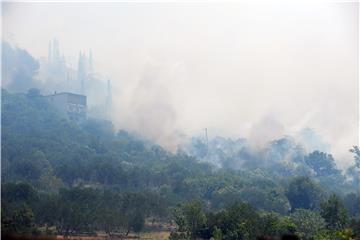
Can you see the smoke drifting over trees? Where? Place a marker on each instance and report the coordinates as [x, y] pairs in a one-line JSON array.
[[255, 70]]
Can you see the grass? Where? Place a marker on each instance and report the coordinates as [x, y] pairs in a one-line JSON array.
[[151, 235], [159, 235]]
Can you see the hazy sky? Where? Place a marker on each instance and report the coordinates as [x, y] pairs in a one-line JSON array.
[[242, 70]]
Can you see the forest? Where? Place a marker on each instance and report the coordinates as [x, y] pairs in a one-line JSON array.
[[61, 177]]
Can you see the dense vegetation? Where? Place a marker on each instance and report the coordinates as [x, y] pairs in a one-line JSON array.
[[64, 177]]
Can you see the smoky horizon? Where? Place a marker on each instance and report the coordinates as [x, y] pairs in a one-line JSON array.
[[240, 70]]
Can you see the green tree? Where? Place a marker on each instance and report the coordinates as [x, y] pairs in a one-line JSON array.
[[137, 221], [190, 219], [303, 193], [270, 224], [75, 210], [352, 204], [286, 225], [354, 171], [323, 164], [21, 221], [217, 234], [346, 234], [135, 208], [45, 210], [356, 151], [307, 223], [239, 221], [18, 192], [334, 213], [109, 215], [194, 217], [354, 224]]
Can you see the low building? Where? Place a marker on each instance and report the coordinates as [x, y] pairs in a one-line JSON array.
[[70, 105]]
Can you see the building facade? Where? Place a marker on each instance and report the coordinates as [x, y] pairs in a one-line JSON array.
[[70, 105]]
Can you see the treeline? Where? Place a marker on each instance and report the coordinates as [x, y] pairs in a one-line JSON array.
[[241, 221], [82, 210], [75, 211]]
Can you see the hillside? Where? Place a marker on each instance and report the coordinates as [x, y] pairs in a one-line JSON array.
[[53, 163]]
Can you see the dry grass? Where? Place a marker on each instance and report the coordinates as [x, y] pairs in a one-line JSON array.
[[160, 235], [154, 235]]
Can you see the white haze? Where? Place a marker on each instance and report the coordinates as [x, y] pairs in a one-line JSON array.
[[241, 70]]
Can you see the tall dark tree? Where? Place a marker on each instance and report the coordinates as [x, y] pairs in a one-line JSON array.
[[302, 192], [19, 68], [354, 170], [240, 221], [334, 213], [352, 204], [109, 214], [323, 164], [307, 223], [356, 152], [21, 221]]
